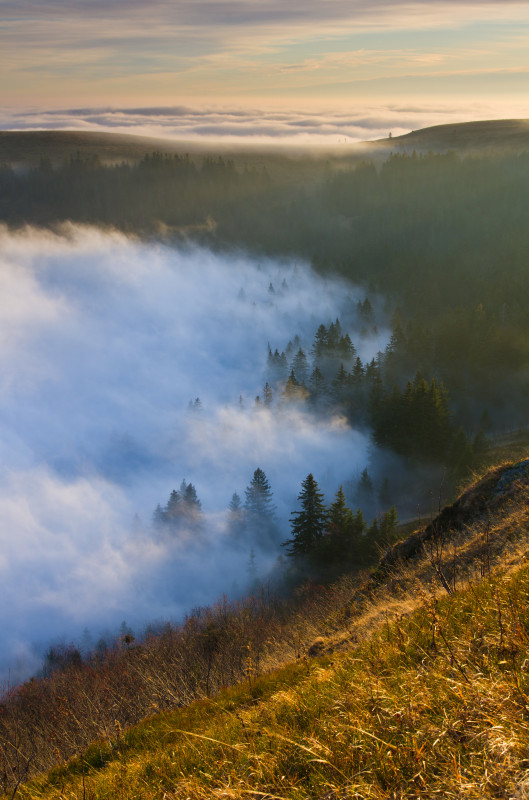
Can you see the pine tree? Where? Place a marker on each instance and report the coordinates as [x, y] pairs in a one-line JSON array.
[[335, 544], [267, 395], [235, 503], [317, 384], [308, 525], [333, 335], [366, 310], [320, 342], [236, 519], [346, 348], [188, 508], [300, 366], [260, 509], [172, 509], [292, 388], [277, 366], [340, 514], [190, 497], [340, 385], [388, 524]]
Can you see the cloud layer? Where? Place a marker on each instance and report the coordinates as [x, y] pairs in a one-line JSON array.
[[296, 54], [237, 125], [103, 343]]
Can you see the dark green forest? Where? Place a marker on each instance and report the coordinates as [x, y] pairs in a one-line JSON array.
[[442, 239]]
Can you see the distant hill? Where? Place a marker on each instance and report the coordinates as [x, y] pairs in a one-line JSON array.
[[29, 147], [488, 135], [26, 148]]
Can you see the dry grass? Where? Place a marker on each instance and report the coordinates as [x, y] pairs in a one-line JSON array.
[[431, 705], [425, 695]]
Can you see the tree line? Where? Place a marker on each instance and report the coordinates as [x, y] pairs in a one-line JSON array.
[[320, 536], [442, 237]]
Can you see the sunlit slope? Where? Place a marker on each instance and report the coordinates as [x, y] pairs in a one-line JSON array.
[[28, 147], [495, 135], [427, 695]]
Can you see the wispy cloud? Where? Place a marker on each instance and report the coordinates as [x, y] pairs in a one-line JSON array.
[[124, 48]]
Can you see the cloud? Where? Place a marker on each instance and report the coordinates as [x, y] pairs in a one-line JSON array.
[[236, 124], [183, 37], [104, 340], [241, 13]]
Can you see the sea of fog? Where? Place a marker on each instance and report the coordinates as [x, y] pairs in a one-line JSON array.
[[104, 341]]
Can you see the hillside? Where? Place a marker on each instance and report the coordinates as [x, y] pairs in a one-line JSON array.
[[27, 148], [413, 683], [504, 135]]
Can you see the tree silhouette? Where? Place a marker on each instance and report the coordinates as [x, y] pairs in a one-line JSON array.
[[260, 510], [308, 525]]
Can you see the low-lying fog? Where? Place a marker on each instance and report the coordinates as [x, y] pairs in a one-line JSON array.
[[104, 341]]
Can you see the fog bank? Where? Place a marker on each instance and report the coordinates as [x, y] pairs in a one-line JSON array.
[[104, 341]]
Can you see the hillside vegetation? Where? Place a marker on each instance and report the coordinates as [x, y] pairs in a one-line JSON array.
[[27, 148], [441, 236], [411, 682]]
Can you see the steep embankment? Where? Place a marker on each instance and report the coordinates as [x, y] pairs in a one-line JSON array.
[[429, 696]]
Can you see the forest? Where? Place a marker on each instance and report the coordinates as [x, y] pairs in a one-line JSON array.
[[443, 238], [326, 352], [437, 244]]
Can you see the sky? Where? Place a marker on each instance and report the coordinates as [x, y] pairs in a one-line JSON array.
[[312, 71]]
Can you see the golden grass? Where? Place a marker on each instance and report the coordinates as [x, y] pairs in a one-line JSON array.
[[434, 704], [428, 697]]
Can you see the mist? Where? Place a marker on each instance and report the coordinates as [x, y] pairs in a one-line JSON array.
[[323, 127], [104, 341]]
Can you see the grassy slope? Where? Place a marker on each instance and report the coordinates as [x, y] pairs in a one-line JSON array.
[[28, 147], [502, 134], [423, 694]]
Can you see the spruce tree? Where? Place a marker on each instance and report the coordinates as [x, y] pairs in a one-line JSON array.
[[340, 385], [236, 523], [189, 509], [172, 509], [292, 387], [267, 395], [308, 525], [317, 384], [337, 544], [300, 366], [357, 374], [320, 344], [260, 509]]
